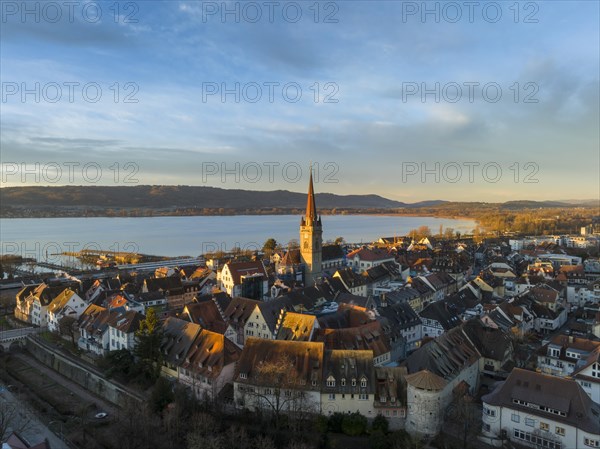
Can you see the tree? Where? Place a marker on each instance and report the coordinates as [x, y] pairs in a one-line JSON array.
[[339, 241], [269, 246], [354, 424], [66, 327], [282, 391], [147, 350], [381, 423], [12, 418], [162, 395], [448, 233]]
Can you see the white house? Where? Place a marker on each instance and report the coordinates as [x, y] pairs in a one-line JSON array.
[[247, 279], [66, 304], [588, 375], [538, 410], [122, 327]]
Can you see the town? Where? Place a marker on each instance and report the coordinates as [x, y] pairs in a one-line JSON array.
[[415, 341]]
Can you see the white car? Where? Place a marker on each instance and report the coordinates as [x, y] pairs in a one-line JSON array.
[[101, 415]]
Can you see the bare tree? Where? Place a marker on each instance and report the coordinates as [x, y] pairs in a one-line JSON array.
[[12, 418], [280, 390]]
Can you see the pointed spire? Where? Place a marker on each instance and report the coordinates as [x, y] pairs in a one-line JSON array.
[[311, 208]]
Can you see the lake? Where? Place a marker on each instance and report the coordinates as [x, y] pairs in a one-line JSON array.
[[178, 236]]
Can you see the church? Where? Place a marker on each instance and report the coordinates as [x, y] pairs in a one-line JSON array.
[[311, 239], [312, 260]]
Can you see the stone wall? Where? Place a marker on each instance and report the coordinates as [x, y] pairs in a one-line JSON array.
[[84, 375]]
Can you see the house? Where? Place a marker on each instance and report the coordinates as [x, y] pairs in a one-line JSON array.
[[495, 346], [537, 410], [352, 282], [178, 337], [103, 330], [279, 376], [206, 313], [563, 354], [238, 312], [363, 258], [438, 318], [368, 337], [587, 374], [405, 294], [390, 395], [33, 304], [122, 326], [208, 365], [92, 325], [171, 287], [348, 382], [265, 317], [247, 279], [333, 258], [402, 317], [297, 327], [66, 304]]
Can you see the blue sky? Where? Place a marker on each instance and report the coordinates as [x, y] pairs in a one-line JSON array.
[[172, 52]]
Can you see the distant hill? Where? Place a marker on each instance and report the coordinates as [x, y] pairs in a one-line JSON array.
[[164, 197]]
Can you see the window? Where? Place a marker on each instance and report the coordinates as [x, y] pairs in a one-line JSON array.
[[489, 411], [332, 396], [560, 431], [515, 418], [529, 422], [486, 427], [363, 397], [343, 382], [363, 382], [331, 381], [243, 376], [591, 443], [354, 382], [544, 426]]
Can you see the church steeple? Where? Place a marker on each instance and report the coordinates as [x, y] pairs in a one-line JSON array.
[[311, 208], [311, 238]]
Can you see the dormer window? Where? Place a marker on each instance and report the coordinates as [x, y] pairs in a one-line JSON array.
[[243, 376], [354, 382], [331, 381], [363, 382], [343, 382]]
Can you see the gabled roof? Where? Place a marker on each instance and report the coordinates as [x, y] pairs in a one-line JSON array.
[[349, 364], [58, 304], [206, 314], [239, 269], [296, 327], [239, 310], [555, 393], [442, 313], [272, 310], [369, 336], [446, 356], [296, 364], [491, 343], [209, 353], [125, 321], [400, 315], [350, 278], [332, 252], [370, 254], [177, 340], [170, 284]]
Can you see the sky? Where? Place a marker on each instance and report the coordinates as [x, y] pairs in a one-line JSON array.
[[484, 101]]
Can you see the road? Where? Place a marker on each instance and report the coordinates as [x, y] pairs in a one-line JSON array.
[[33, 429]]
